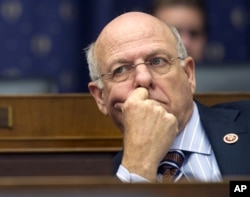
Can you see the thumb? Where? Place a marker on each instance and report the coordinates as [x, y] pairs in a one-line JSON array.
[[139, 94]]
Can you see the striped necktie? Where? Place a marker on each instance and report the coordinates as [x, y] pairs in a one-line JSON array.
[[170, 166]]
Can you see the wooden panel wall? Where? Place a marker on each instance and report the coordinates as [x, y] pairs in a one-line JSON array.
[[53, 122], [66, 122], [62, 135]]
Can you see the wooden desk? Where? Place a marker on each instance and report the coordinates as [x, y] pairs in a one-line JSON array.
[[56, 135], [56, 123], [64, 123], [104, 186]]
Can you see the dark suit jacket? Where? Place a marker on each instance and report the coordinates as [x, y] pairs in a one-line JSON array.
[[219, 120]]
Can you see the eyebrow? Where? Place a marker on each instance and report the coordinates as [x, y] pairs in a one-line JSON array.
[[148, 55], [161, 52]]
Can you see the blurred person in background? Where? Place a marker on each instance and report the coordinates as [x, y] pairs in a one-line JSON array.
[[190, 18]]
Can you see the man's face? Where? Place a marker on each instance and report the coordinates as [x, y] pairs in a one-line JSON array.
[[189, 21], [127, 45]]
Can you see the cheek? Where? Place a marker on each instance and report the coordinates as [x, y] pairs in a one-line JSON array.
[[183, 85], [117, 93], [171, 84], [176, 88]]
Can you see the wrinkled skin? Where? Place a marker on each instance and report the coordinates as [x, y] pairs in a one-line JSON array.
[[149, 111]]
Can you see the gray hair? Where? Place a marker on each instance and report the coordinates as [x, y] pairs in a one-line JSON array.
[[180, 48], [94, 72]]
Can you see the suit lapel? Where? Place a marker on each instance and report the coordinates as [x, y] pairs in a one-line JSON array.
[[217, 123]]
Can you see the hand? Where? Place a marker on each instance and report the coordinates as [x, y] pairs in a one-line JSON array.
[[149, 131]]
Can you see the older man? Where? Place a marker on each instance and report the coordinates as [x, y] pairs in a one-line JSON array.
[[143, 79]]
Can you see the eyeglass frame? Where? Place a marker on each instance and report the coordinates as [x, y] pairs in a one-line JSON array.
[[133, 66]]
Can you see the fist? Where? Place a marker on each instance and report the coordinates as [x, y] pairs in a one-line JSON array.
[[149, 131]]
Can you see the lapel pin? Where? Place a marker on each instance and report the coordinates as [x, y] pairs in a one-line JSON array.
[[230, 138]]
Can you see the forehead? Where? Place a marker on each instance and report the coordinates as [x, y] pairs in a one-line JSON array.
[[181, 15], [133, 38]]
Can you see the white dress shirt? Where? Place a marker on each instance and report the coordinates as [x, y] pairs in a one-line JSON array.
[[200, 165]]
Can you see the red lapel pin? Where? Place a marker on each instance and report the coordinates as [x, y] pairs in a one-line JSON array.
[[230, 138]]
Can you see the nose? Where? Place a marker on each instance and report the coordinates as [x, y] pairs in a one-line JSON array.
[[143, 77]]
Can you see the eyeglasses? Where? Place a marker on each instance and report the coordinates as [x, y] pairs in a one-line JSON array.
[[157, 67]]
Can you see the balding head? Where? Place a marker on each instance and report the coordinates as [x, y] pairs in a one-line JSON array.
[[138, 50], [129, 27], [135, 28], [131, 23]]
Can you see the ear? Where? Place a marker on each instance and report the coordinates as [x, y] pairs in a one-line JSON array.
[[189, 69], [97, 93]]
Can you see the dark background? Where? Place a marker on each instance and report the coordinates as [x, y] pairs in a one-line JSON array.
[[42, 41]]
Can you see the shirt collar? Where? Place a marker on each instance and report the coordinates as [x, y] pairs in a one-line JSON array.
[[193, 137]]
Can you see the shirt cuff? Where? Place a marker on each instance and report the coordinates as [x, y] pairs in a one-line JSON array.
[[126, 177]]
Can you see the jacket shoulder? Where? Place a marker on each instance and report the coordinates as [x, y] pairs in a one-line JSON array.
[[243, 105]]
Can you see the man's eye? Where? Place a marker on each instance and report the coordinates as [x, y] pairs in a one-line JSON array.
[[157, 61], [120, 70]]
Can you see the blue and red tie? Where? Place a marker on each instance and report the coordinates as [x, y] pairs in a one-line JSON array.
[[170, 166]]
